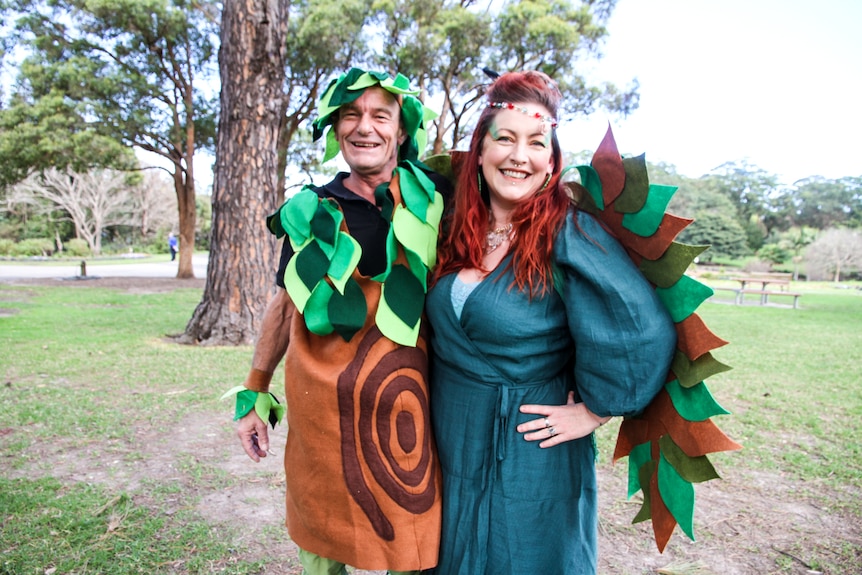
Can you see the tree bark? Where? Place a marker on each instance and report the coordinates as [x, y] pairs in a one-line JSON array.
[[243, 257]]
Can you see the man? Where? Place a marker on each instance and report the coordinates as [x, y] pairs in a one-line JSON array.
[[363, 481]]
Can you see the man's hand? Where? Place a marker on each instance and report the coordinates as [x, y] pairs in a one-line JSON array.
[[253, 436]]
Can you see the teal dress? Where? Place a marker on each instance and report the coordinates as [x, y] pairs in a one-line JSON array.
[[510, 507]]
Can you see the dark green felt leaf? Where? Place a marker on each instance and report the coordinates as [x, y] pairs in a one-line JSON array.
[[347, 312], [311, 265], [639, 455], [694, 403], [593, 184], [645, 473], [666, 271], [409, 298], [691, 373], [691, 469], [634, 194]]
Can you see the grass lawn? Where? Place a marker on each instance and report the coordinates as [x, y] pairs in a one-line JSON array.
[[118, 457]]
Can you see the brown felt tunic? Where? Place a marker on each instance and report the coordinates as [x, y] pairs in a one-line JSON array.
[[363, 479]]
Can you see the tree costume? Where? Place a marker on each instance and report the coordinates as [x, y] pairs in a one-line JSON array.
[[363, 480], [667, 445]]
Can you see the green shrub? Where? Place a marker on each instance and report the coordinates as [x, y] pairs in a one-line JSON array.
[[6, 247], [77, 247], [33, 247]]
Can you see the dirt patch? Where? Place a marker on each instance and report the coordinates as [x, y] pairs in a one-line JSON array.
[[749, 522]]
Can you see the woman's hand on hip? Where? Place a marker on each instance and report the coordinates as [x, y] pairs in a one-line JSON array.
[[559, 423]]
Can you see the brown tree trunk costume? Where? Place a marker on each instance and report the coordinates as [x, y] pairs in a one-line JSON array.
[[363, 480]]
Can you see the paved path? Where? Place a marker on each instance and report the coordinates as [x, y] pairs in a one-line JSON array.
[[134, 268]]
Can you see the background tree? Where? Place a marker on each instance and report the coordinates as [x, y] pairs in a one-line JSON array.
[[242, 254], [92, 200], [130, 71], [443, 45], [822, 203], [835, 251]]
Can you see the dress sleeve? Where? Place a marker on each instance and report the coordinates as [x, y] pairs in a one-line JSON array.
[[624, 337]]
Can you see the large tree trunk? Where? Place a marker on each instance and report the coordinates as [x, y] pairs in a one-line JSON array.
[[240, 276]]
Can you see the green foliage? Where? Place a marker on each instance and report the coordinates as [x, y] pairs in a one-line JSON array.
[[6, 247], [33, 247], [76, 247], [774, 253], [722, 233]]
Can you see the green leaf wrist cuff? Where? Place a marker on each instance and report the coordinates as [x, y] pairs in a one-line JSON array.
[[266, 405]]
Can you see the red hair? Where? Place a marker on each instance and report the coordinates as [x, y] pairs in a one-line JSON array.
[[535, 221]]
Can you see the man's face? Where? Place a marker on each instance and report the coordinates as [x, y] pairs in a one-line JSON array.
[[369, 131]]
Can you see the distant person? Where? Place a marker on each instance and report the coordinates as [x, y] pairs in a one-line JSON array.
[[173, 244], [543, 329], [361, 469]]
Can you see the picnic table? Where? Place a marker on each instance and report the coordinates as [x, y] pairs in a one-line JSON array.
[[758, 284]]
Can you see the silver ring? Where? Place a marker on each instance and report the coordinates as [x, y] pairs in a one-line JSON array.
[[551, 432], [547, 423]]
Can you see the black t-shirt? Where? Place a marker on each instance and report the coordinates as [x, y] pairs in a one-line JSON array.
[[365, 223]]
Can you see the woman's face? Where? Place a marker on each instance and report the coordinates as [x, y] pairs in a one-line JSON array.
[[517, 155]]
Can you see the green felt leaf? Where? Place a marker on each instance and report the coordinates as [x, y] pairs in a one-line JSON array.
[[693, 403], [311, 264], [344, 260], [645, 222], [669, 268], [415, 236], [383, 199], [678, 496], [347, 312], [391, 255], [683, 297], [297, 213], [325, 225], [391, 325], [332, 147], [645, 473], [296, 288], [636, 188], [414, 195], [691, 469], [593, 184], [690, 373], [404, 295], [268, 408], [639, 455], [418, 269], [317, 310], [245, 401]]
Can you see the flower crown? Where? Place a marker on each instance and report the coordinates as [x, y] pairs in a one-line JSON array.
[[509, 106]]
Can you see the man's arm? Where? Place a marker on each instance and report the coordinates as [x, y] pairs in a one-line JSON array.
[[268, 351]]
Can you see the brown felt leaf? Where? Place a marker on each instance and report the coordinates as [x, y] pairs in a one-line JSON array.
[[609, 165], [694, 338]]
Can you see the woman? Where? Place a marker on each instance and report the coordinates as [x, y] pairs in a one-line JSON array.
[[543, 330]]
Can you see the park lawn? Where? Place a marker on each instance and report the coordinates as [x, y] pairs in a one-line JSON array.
[[92, 371]]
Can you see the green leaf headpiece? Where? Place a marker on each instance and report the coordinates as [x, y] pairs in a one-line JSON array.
[[348, 87]]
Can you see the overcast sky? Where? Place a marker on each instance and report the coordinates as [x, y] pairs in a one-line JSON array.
[[777, 83]]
